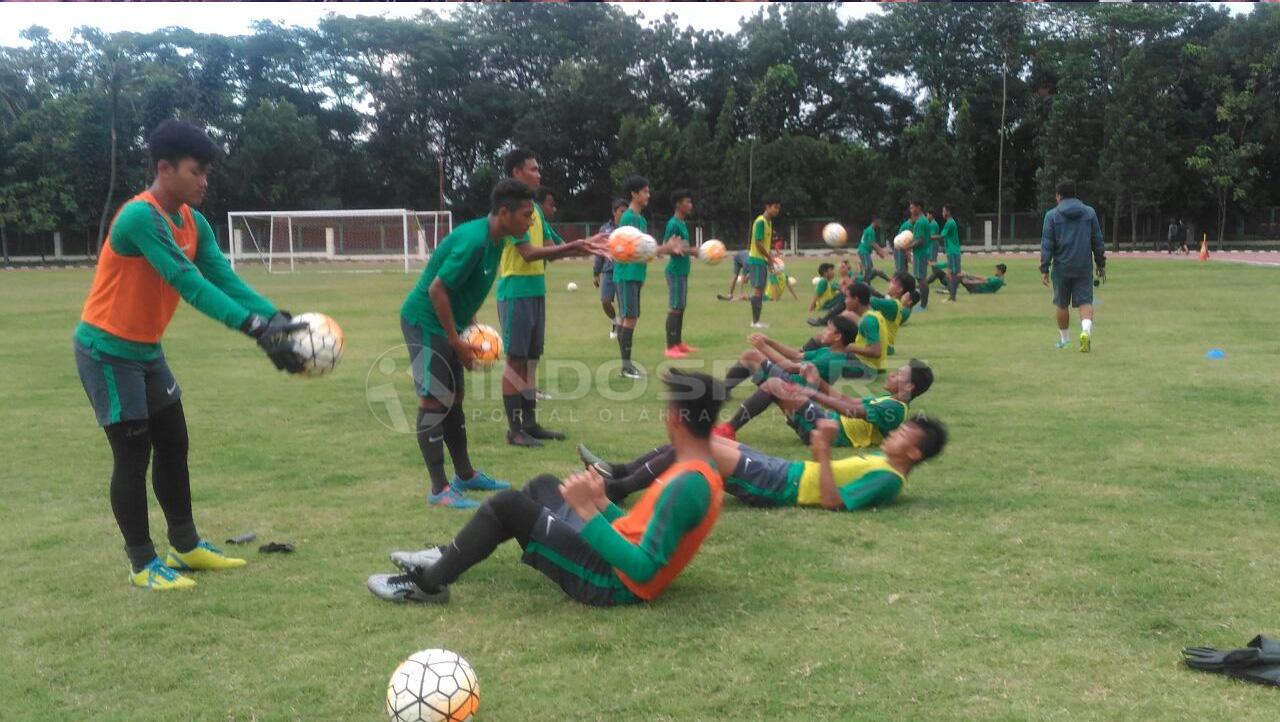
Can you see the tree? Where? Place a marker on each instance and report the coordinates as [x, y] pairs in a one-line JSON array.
[[278, 160]]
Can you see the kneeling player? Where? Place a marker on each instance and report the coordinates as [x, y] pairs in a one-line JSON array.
[[572, 533], [739, 277], [990, 284], [761, 480]]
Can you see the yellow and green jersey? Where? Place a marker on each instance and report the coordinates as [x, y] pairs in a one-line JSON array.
[[761, 237], [894, 315], [518, 278], [862, 481], [871, 330], [678, 265], [951, 237], [827, 290], [466, 262], [884, 414], [631, 271]]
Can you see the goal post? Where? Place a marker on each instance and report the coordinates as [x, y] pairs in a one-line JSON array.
[[295, 239]]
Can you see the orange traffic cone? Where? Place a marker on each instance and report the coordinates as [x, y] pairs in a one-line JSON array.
[[1204, 248]]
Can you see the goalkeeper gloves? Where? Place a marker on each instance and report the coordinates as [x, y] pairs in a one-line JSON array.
[[272, 336]]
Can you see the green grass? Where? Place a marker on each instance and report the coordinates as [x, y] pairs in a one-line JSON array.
[[1092, 515]]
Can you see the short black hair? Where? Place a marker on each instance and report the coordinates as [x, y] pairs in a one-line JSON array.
[[906, 280], [543, 192], [1002, 268], [680, 194], [174, 140], [516, 159], [875, 216], [1067, 188], [824, 267], [921, 377], [634, 184], [947, 207], [619, 203], [918, 203], [510, 194], [847, 328], [862, 292], [697, 397], [913, 295], [771, 200], [935, 436]]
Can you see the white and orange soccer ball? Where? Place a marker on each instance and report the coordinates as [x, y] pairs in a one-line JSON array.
[[631, 245], [711, 252], [834, 235], [434, 685], [485, 343], [319, 345], [903, 240]]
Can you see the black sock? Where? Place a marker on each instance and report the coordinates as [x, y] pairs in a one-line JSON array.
[[954, 285], [431, 444], [661, 459], [513, 406], [924, 294], [455, 437], [131, 448], [629, 467], [529, 408], [756, 303], [680, 327], [755, 405], [624, 344], [169, 475], [811, 345], [506, 515], [736, 374], [673, 325]]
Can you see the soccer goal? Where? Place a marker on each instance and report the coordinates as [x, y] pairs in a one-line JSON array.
[[282, 240]]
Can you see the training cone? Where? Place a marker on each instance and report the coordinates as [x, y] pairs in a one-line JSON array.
[[1204, 248], [1215, 354]]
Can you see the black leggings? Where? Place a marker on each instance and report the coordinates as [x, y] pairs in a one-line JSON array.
[[163, 438]]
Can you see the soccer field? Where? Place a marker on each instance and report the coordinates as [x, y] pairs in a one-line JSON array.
[[1091, 515]]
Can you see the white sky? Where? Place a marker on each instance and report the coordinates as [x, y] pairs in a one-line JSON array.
[[234, 18]]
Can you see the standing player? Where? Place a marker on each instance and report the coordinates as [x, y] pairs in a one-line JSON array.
[[597, 553], [901, 256], [761, 480], [758, 256], [629, 277], [866, 246], [547, 205], [522, 306], [951, 240], [160, 249], [602, 270], [443, 303], [678, 274], [1071, 244], [921, 230]]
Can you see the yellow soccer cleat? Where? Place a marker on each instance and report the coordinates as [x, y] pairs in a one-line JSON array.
[[205, 557], [1084, 343], [159, 578]]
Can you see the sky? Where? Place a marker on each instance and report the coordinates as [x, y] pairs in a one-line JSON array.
[[234, 18]]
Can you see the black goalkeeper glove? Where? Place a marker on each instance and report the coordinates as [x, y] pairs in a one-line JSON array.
[[272, 336], [1258, 662]]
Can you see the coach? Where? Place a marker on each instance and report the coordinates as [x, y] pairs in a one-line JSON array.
[[1071, 235]]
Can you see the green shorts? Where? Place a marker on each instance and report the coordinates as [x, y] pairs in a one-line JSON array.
[[121, 389], [759, 273], [677, 291]]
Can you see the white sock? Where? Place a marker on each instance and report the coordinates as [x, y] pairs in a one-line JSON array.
[[1063, 333], [1086, 325]]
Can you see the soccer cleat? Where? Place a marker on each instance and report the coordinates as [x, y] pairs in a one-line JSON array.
[[948, 300], [538, 431], [480, 481], [403, 588], [1061, 344], [687, 348], [630, 372], [922, 309], [451, 498], [422, 558], [205, 557], [542, 396], [723, 297], [816, 322], [1084, 342], [521, 438], [613, 334], [724, 431], [674, 353], [592, 461], [159, 578], [759, 324]]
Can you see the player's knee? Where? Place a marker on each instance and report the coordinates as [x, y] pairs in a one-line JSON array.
[[752, 357]]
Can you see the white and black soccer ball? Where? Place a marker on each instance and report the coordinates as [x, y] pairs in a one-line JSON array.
[[319, 345], [434, 685]]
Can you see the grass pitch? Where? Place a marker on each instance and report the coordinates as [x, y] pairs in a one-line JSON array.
[[1092, 515]]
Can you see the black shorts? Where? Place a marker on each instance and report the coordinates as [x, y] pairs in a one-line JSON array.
[[629, 298], [524, 321], [763, 480], [1075, 290], [556, 548], [121, 389], [437, 371]]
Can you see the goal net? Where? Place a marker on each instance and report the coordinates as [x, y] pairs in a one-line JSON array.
[[286, 240]]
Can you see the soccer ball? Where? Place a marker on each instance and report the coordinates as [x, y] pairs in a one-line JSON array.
[[630, 245], [485, 343], [817, 280], [778, 266], [791, 280], [835, 235], [903, 240], [434, 685], [711, 252], [319, 345], [572, 287]]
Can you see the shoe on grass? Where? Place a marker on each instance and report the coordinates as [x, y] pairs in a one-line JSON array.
[[480, 481], [539, 431], [1084, 342], [205, 557], [403, 588], [1061, 344], [159, 578], [406, 560], [451, 498], [522, 438]]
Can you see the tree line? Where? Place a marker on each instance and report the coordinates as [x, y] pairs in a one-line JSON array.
[[1167, 109]]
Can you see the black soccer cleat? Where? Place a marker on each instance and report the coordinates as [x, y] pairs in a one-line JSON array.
[[520, 438], [538, 431]]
